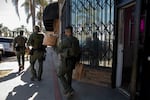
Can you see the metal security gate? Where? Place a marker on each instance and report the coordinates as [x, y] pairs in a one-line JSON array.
[[93, 22]]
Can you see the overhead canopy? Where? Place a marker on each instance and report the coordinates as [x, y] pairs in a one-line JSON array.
[[50, 13]]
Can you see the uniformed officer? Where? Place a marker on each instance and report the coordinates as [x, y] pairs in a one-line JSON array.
[[36, 53], [19, 45], [69, 50]]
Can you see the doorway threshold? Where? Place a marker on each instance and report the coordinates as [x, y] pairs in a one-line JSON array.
[[124, 92]]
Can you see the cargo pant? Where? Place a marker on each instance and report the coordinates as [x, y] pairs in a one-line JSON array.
[[37, 56], [65, 74], [20, 56]]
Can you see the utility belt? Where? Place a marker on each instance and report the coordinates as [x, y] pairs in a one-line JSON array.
[[19, 48], [36, 49]]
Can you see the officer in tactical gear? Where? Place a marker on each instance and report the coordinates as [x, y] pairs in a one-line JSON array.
[[69, 51], [19, 45], [37, 52]]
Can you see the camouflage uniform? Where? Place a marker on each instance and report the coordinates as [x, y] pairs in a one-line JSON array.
[[37, 53], [69, 50], [19, 46]]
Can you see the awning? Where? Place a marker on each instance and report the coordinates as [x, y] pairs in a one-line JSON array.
[[50, 13]]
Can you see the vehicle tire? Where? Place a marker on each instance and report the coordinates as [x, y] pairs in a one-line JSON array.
[[1, 53], [0, 57]]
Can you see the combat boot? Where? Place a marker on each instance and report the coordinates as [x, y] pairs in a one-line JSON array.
[[33, 77]]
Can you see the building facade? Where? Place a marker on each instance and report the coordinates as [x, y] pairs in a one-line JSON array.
[[131, 32], [123, 29]]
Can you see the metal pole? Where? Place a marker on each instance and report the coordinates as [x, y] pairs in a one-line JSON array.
[[135, 55]]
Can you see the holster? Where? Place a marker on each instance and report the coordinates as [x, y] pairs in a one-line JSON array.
[[31, 51]]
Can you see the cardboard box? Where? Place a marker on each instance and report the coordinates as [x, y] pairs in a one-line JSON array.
[[50, 39]]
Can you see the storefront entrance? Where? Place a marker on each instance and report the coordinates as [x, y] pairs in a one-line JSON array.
[[129, 33], [126, 39]]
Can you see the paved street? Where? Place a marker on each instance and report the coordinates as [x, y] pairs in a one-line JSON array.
[[19, 87]]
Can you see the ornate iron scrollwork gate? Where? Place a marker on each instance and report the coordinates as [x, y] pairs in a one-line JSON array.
[[93, 22]]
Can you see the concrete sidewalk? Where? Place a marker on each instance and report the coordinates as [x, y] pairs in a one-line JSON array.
[[19, 87]]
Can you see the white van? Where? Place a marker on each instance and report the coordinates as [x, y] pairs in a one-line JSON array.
[[1, 51], [7, 44]]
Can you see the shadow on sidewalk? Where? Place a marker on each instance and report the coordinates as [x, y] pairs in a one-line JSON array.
[[33, 90], [10, 76], [23, 92], [29, 90]]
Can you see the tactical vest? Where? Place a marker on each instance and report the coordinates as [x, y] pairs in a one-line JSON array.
[[21, 40], [37, 40], [75, 48]]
